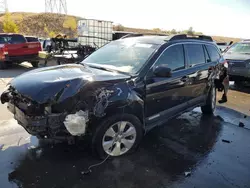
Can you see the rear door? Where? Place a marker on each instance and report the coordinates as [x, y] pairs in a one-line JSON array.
[[16, 45], [34, 45], [33, 48], [198, 64], [216, 61]]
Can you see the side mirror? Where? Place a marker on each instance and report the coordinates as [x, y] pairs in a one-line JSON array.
[[162, 71]]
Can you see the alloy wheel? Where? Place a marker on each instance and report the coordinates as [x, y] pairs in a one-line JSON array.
[[119, 138]]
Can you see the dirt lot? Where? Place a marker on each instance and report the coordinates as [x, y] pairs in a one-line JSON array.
[[189, 151]]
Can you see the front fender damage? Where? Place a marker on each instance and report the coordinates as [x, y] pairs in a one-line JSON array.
[[103, 101]]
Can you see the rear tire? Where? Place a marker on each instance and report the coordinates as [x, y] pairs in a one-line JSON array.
[[104, 145], [2, 65], [35, 64], [210, 105]]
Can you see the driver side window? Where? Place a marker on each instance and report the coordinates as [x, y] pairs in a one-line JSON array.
[[173, 57]]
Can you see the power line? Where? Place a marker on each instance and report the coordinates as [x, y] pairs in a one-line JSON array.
[[3, 6], [56, 6]]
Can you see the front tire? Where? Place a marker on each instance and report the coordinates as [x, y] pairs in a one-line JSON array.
[[117, 135], [210, 105]]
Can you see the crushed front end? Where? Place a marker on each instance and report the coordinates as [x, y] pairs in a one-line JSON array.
[[70, 118], [37, 119], [66, 102]]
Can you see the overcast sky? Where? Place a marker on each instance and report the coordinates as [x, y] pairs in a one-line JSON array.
[[212, 17]]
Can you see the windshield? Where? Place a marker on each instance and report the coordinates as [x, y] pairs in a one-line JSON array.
[[240, 48], [126, 55]]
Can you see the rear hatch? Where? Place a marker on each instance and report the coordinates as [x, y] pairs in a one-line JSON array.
[[16, 45]]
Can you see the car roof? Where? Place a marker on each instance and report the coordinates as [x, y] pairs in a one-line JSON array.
[[147, 39], [160, 40]]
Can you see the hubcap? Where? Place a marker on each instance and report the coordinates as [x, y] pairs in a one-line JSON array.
[[119, 138]]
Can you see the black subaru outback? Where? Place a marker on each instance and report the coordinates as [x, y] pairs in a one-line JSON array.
[[119, 92]]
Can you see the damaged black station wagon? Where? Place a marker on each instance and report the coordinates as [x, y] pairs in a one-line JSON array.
[[119, 92]]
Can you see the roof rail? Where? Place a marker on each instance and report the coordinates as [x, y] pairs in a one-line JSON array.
[[197, 37], [140, 34], [131, 35]]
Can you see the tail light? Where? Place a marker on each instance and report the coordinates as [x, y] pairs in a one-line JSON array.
[[3, 51]]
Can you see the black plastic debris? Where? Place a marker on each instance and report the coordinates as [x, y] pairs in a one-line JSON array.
[[226, 141], [241, 124]]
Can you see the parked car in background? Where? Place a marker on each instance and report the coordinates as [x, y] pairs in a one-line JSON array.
[[14, 48], [46, 44], [238, 58], [123, 89], [223, 46]]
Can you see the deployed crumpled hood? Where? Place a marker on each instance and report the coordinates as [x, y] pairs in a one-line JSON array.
[[44, 84], [237, 56]]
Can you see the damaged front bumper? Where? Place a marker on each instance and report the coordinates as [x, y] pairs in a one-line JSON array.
[[43, 126]]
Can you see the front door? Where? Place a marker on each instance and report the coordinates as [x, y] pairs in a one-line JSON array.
[[166, 96]]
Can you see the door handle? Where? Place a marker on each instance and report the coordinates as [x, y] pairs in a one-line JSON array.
[[25, 46], [184, 79]]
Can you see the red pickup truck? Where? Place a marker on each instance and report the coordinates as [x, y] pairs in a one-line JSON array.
[[14, 48]]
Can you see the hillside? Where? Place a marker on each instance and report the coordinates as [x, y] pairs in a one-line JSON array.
[[48, 24], [216, 38], [43, 25]]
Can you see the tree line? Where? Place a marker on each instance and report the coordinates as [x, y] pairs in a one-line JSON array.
[[189, 31]]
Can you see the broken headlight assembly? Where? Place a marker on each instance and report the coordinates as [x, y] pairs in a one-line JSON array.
[[5, 97]]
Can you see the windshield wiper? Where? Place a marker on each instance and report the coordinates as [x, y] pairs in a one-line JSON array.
[[101, 68]]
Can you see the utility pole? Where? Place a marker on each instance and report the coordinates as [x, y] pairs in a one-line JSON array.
[[3, 6], [56, 6]]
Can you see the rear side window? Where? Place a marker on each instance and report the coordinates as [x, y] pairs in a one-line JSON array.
[[195, 54], [213, 53], [173, 57], [32, 39]]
